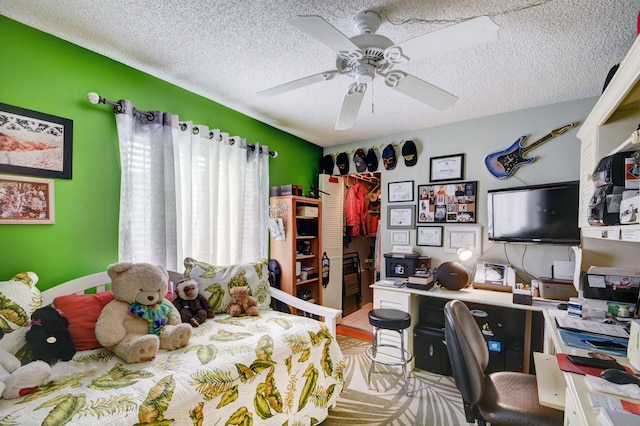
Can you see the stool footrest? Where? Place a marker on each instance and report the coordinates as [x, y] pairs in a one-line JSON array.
[[408, 357]]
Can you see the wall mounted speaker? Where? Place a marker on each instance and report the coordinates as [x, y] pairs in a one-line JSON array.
[[452, 276]]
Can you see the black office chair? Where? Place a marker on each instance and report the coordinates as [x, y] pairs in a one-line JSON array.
[[501, 398]]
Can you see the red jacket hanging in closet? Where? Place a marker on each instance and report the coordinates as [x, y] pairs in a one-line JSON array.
[[356, 210]]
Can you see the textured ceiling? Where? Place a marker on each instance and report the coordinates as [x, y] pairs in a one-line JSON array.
[[227, 50]]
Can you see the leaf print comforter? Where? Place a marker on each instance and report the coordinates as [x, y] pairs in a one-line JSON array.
[[273, 369]]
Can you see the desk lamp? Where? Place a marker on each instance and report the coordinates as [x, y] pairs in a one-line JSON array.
[[464, 253]]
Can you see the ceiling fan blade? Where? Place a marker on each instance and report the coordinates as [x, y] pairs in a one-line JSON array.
[[351, 106], [297, 84], [420, 90], [466, 34], [324, 32]]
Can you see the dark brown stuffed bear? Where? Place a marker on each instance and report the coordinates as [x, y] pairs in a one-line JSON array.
[[194, 308]]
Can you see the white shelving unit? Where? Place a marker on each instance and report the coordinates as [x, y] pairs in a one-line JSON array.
[[608, 129]]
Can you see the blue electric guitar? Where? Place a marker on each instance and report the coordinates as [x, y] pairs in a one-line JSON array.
[[504, 163]]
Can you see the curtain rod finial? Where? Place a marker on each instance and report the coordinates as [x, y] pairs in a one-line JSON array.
[[93, 97]]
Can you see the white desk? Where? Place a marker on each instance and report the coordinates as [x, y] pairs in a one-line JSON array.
[[578, 409], [408, 300]]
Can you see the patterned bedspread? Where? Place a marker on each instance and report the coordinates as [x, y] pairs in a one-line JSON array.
[[273, 369]]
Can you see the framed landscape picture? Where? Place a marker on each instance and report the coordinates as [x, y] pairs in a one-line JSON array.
[[34, 143], [448, 202]]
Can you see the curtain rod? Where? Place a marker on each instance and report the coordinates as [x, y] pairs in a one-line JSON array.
[[95, 99]]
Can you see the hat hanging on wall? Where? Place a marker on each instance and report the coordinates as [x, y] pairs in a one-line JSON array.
[[326, 164], [342, 161], [410, 153], [372, 160], [358, 160], [389, 157]]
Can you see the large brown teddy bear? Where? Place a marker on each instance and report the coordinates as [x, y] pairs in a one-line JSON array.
[[193, 307], [139, 321], [241, 302]]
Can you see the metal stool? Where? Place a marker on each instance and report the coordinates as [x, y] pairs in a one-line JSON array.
[[389, 319]]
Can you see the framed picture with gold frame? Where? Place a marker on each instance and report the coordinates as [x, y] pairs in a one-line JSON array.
[[25, 200]]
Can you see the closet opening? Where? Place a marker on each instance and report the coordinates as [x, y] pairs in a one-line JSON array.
[[351, 215]]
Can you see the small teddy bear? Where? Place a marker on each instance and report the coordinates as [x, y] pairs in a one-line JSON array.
[[139, 321], [48, 338], [241, 302], [194, 308]]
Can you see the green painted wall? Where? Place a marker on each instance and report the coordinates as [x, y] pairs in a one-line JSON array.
[[44, 73]]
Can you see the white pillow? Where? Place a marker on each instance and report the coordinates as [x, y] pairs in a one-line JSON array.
[[19, 297]]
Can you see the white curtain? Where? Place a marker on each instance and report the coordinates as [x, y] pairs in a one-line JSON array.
[[148, 226], [223, 196], [188, 191]]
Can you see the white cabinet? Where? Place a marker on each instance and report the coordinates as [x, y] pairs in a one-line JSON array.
[[606, 130]]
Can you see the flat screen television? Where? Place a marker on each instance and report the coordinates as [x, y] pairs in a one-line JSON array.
[[546, 214]]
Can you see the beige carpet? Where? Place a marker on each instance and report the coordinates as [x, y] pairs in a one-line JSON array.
[[434, 401]]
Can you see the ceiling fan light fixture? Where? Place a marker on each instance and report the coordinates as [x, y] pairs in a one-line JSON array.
[[365, 73]]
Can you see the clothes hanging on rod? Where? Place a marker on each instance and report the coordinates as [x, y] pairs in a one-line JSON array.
[[356, 210]]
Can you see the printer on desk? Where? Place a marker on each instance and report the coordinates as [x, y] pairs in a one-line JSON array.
[[561, 285]]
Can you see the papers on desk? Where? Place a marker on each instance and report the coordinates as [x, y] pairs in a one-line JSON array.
[[598, 384], [615, 411], [618, 404], [393, 282], [592, 327], [579, 340]]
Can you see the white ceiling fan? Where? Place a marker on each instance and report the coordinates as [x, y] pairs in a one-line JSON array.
[[363, 56]]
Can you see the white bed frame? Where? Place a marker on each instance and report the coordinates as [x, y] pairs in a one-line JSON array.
[[98, 281]]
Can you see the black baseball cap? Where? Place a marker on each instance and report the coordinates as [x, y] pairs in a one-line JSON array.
[[410, 153], [326, 164], [372, 160], [342, 161]]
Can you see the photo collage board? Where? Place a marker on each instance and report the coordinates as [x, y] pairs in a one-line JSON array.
[[447, 202]]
